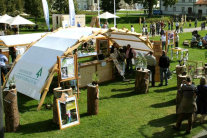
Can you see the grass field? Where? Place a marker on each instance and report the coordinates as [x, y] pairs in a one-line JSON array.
[[122, 112]]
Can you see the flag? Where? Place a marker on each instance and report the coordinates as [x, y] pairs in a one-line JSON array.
[[72, 13], [46, 13]]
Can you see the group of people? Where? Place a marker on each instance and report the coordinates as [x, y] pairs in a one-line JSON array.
[[164, 63], [191, 100]]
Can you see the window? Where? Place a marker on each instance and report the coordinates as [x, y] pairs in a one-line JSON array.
[[183, 1], [183, 9], [174, 9], [85, 6], [166, 8], [190, 0], [95, 1]]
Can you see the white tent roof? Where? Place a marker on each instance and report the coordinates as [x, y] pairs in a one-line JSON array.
[[18, 20], [107, 15], [42, 56], [23, 39], [4, 18]]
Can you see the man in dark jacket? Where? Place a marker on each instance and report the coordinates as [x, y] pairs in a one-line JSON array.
[[187, 105], [164, 64], [130, 53]]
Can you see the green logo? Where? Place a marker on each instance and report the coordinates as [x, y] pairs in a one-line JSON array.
[[39, 73]]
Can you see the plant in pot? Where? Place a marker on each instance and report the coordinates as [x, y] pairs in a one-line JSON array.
[[95, 79], [12, 83]]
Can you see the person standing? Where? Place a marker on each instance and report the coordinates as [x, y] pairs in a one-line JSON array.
[[130, 53], [163, 39], [196, 22], [151, 63], [176, 39], [132, 28], [3, 60], [187, 105], [169, 25], [12, 52], [164, 63], [177, 26], [201, 100]]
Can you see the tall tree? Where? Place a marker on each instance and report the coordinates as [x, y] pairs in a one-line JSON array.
[[34, 7], [150, 3], [61, 6], [108, 5], [2, 7], [19, 5]]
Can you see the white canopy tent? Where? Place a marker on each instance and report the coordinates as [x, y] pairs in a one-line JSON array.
[[42, 57], [18, 20], [4, 18], [107, 15]]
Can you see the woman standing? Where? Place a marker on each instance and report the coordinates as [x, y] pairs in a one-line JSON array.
[[202, 99]]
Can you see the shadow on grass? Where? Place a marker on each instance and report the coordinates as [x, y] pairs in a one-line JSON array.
[[122, 90], [166, 123], [44, 126], [166, 89], [165, 104]]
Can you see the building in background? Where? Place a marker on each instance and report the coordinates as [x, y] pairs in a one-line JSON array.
[[188, 7]]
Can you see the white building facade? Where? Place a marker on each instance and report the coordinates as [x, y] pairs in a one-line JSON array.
[[189, 7]]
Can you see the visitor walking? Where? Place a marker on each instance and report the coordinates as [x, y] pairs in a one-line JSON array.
[[163, 39], [130, 53], [196, 22], [132, 28], [164, 63], [176, 39], [201, 100], [177, 26], [187, 105], [3, 60], [151, 63]]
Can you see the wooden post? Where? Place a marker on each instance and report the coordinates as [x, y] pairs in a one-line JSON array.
[[142, 81], [180, 69], [92, 99], [1, 112], [180, 79], [57, 94], [11, 110]]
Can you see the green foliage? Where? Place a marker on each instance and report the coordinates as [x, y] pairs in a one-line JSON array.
[[169, 2], [165, 19], [2, 7], [95, 77], [62, 6], [108, 5]]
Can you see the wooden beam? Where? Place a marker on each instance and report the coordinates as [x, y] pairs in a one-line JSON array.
[[46, 87], [124, 39]]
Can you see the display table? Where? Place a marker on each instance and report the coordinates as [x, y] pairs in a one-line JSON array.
[[104, 69], [179, 51], [142, 81]]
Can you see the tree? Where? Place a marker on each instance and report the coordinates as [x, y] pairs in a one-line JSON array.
[[34, 7], [62, 6], [19, 5], [2, 7], [150, 3], [108, 5]]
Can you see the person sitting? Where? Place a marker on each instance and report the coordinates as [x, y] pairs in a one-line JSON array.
[[205, 41], [3, 60], [201, 100], [194, 41], [200, 44]]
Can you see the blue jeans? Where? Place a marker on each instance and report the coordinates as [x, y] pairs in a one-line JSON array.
[[163, 74]]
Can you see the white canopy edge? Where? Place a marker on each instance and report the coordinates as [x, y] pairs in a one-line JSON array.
[[20, 40]]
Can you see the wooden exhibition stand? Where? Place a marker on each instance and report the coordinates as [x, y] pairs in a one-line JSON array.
[[103, 68]]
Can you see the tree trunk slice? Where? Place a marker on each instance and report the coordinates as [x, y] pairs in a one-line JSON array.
[[92, 99], [180, 79], [180, 69], [142, 81], [11, 110]]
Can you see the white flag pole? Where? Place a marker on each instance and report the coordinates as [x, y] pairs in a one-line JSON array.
[[46, 13], [114, 13], [72, 13], [99, 14]]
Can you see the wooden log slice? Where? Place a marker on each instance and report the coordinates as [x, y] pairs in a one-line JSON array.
[[142, 81], [92, 99]]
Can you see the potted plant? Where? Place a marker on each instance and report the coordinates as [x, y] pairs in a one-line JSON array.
[[95, 79], [12, 83]]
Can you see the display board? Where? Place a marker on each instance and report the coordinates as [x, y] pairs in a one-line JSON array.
[[103, 47], [67, 68], [68, 113]]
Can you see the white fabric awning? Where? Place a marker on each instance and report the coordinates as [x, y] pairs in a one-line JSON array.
[[18, 20], [18, 40], [4, 18], [107, 15]]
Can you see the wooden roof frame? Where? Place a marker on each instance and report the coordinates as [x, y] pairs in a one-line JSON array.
[[69, 51]]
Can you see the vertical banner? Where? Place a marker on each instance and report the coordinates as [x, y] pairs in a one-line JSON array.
[[46, 13], [72, 13], [115, 13]]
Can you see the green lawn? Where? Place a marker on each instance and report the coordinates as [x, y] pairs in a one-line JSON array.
[[122, 112]]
